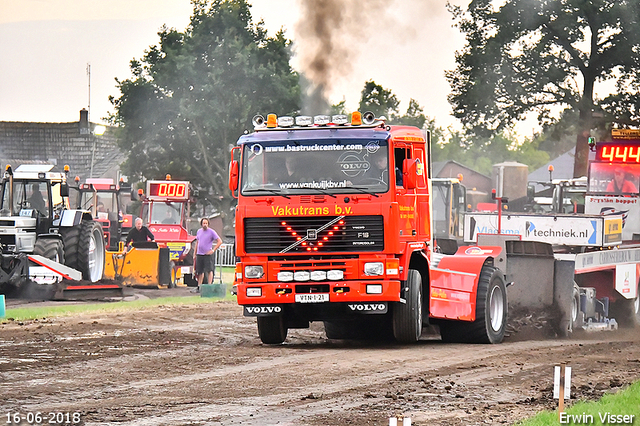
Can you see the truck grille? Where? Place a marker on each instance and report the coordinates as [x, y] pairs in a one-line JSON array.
[[348, 233]]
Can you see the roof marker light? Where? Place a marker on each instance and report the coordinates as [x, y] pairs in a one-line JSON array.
[[321, 120], [285, 121], [304, 120], [339, 119], [272, 121]]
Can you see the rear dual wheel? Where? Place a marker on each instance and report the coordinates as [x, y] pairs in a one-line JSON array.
[[84, 249], [491, 312]]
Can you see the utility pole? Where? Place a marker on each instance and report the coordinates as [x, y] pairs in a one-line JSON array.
[[89, 90]]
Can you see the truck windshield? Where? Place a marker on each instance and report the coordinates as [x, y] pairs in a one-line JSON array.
[[106, 202], [167, 213], [614, 179], [311, 167], [27, 195]]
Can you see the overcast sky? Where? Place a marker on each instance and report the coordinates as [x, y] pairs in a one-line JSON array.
[[45, 46]]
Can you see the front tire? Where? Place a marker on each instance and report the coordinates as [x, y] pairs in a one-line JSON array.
[[49, 248], [407, 317], [272, 330]]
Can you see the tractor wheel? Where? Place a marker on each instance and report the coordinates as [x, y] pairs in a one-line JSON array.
[[491, 312], [407, 317], [627, 311], [84, 249], [49, 248], [272, 330]]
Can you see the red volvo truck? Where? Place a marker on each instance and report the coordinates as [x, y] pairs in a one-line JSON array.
[[333, 224]]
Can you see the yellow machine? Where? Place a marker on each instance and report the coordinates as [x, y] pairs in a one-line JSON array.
[[143, 265]]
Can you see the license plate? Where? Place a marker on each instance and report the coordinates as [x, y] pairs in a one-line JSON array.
[[312, 298]]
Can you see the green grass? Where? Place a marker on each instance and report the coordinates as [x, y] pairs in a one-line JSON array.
[[29, 313], [624, 402]]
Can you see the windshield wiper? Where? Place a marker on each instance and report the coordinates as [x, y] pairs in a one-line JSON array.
[[323, 191], [363, 190], [273, 191]]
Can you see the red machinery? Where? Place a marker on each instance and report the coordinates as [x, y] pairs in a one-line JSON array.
[[165, 210]]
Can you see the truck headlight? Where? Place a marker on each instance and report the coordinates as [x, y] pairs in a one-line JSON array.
[[301, 276], [285, 276], [318, 275], [335, 274], [373, 268], [254, 291], [253, 271]]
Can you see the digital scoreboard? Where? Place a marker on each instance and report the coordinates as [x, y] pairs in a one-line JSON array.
[[619, 152], [167, 190]]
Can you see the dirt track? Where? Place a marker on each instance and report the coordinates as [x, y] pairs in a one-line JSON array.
[[205, 365]]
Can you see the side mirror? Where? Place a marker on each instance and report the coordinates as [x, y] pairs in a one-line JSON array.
[[531, 192], [410, 173], [233, 175], [64, 190]]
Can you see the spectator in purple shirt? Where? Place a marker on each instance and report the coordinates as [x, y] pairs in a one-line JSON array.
[[204, 250]]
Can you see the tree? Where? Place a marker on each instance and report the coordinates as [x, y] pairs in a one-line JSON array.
[[193, 95], [533, 56], [383, 102], [378, 100]]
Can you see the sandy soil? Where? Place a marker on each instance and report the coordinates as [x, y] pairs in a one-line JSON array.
[[204, 364]]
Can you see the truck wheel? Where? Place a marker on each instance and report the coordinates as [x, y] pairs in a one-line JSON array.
[[407, 317], [272, 330], [84, 249], [576, 320], [337, 330], [491, 312], [49, 248], [491, 307], [627, 311]]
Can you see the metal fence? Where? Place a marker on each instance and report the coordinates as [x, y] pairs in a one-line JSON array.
[[226, 256]]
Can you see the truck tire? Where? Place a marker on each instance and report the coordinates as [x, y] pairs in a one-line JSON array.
[[576, 315], [272, 330], [491, 312], [84, 249], [338, 330], [407, 317], [627, 311], [49, 248]]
